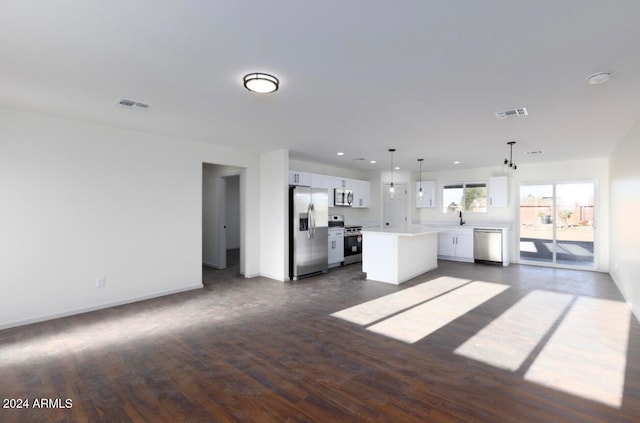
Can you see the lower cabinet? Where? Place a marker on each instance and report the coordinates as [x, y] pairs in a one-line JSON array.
[[336, 249], [456, 244]]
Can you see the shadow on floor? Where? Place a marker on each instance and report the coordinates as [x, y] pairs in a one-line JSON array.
[[212, 275], [579, 253]]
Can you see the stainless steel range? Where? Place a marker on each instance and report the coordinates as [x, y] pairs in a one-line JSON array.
[[336, 240], [352, 244]]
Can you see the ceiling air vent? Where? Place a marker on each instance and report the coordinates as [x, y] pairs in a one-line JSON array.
[[522, 111], [130, 104]]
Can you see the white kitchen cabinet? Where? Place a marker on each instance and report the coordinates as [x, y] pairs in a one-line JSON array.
[[323, 181], [299, 178], [340, 182], [428, 198], [336, 249], [361, 190], [456, 244], [498, 191], [361, 193]]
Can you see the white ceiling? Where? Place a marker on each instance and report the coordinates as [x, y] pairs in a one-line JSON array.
[[358, 76]]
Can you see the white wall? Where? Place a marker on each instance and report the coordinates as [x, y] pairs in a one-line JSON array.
[[274, 198], [625, 217], [80, 201], [596, 170]]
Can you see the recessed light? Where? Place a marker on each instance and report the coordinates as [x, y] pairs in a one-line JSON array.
[[397, 168], [599, 78], [262, 83], [340, 153], [372, 161], [456, 162]]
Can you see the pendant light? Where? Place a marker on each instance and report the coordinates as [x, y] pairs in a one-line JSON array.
[[509, 165], [420, 191], [391, 150]]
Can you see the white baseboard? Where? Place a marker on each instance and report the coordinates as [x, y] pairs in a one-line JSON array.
[[634, 311], [81, 310], [277, 278], [212, 265]]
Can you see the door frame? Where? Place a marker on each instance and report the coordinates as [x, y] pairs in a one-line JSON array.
[[596, 214], [222, 219]]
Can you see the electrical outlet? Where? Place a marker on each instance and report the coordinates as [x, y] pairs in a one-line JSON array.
[[101, 281]]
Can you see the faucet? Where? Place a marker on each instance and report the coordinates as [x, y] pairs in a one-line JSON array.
[[461, 221]]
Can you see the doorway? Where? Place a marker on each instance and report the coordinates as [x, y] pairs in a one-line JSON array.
[[222, 226], [395, 205], [556, 224]]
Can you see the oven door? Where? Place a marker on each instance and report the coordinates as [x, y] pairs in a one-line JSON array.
[[352, 244]]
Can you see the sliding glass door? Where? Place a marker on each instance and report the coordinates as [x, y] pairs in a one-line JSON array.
[[557, 224]]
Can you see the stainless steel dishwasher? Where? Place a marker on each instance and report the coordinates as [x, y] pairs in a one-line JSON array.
[[487, 246]]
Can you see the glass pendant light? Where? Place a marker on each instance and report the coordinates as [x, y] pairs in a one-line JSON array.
[[420, 193], [391, 150]]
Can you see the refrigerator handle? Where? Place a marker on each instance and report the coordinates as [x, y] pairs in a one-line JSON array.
[[311, 220]]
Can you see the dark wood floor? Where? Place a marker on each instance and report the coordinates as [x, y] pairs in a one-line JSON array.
[[258, 350]]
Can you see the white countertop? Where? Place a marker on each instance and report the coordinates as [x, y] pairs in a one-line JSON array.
[[485, 225], [431, 227], [413, 230]]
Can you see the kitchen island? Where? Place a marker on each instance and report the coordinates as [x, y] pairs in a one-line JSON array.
[[395, 255]]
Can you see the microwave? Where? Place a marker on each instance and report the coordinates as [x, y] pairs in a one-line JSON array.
[[343, 197]]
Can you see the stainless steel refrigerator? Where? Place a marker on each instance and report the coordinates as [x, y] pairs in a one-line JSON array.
[[308, 231]]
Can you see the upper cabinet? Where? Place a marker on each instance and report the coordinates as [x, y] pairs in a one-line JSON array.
[[361, 189], [341, 182], [498, 191], [361, 193], [322, 181], [299, 178], [428, 198]]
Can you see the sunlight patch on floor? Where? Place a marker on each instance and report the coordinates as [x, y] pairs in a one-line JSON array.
[[111, 332], [371, 311], [418, 322], [574, 250], [586, 356], [528, 247], [508, 340]]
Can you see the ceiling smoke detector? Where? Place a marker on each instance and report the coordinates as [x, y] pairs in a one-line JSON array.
[[131, 104], [521, 111]]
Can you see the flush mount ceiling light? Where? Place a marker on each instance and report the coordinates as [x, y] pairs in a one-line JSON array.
[[261, 83], [509, 165], [599, 78]]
